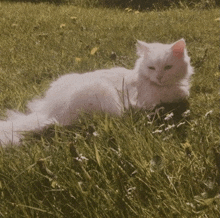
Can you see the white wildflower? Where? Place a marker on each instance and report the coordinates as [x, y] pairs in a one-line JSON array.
[[157, 131], [81, 158], [169, 116], [186, 113], [209, 112], [130, 190], [180, 124], [190, 204], [95, 134], [169, 127]]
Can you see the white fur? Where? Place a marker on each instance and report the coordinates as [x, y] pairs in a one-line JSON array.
[[110, 91]]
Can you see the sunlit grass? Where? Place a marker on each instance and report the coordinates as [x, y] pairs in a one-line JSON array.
[[124, 166]]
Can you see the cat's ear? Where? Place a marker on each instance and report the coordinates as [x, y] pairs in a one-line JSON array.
[[141, 47], [178, 48]]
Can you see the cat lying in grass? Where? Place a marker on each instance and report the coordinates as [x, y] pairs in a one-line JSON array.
[[161, 75]]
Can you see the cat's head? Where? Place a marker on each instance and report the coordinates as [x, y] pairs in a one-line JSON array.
[[163, 64]]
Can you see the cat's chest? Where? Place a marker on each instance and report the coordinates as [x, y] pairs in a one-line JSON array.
[[151, 95]]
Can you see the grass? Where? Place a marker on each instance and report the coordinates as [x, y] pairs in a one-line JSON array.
[[107, 166]]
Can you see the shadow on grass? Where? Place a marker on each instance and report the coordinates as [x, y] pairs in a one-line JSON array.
[[39, 1], [137, 4]]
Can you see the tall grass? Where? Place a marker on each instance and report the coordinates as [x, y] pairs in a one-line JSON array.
[[136, 165]]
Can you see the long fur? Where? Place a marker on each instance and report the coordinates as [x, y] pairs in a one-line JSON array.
[[161, 74]]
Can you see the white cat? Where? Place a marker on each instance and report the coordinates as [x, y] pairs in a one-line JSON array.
[[161, 74]]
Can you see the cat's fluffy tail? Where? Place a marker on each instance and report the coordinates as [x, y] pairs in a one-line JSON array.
[[11, 130]]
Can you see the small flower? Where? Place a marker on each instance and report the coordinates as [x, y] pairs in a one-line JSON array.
[[128, 9], [186, 113], [191, 205], [209, 112], [157, 131], [62, 25], [95, 134], [169, 127], [180, 124], [81, 158], [169, 116], [73, 18], [130, 190]]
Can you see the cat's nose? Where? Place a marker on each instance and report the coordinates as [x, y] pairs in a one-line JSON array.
[[159, 77]]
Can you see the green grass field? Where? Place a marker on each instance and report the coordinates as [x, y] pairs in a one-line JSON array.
[[106, 166]]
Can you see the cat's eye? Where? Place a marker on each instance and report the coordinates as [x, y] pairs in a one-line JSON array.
[[151, 68], [168, 67]]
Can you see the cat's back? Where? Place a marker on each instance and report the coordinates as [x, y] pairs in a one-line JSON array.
[[113, 75], [116, 76]]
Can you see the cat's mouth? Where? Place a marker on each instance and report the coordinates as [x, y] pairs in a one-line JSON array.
[[160, 83], [157, 83]]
